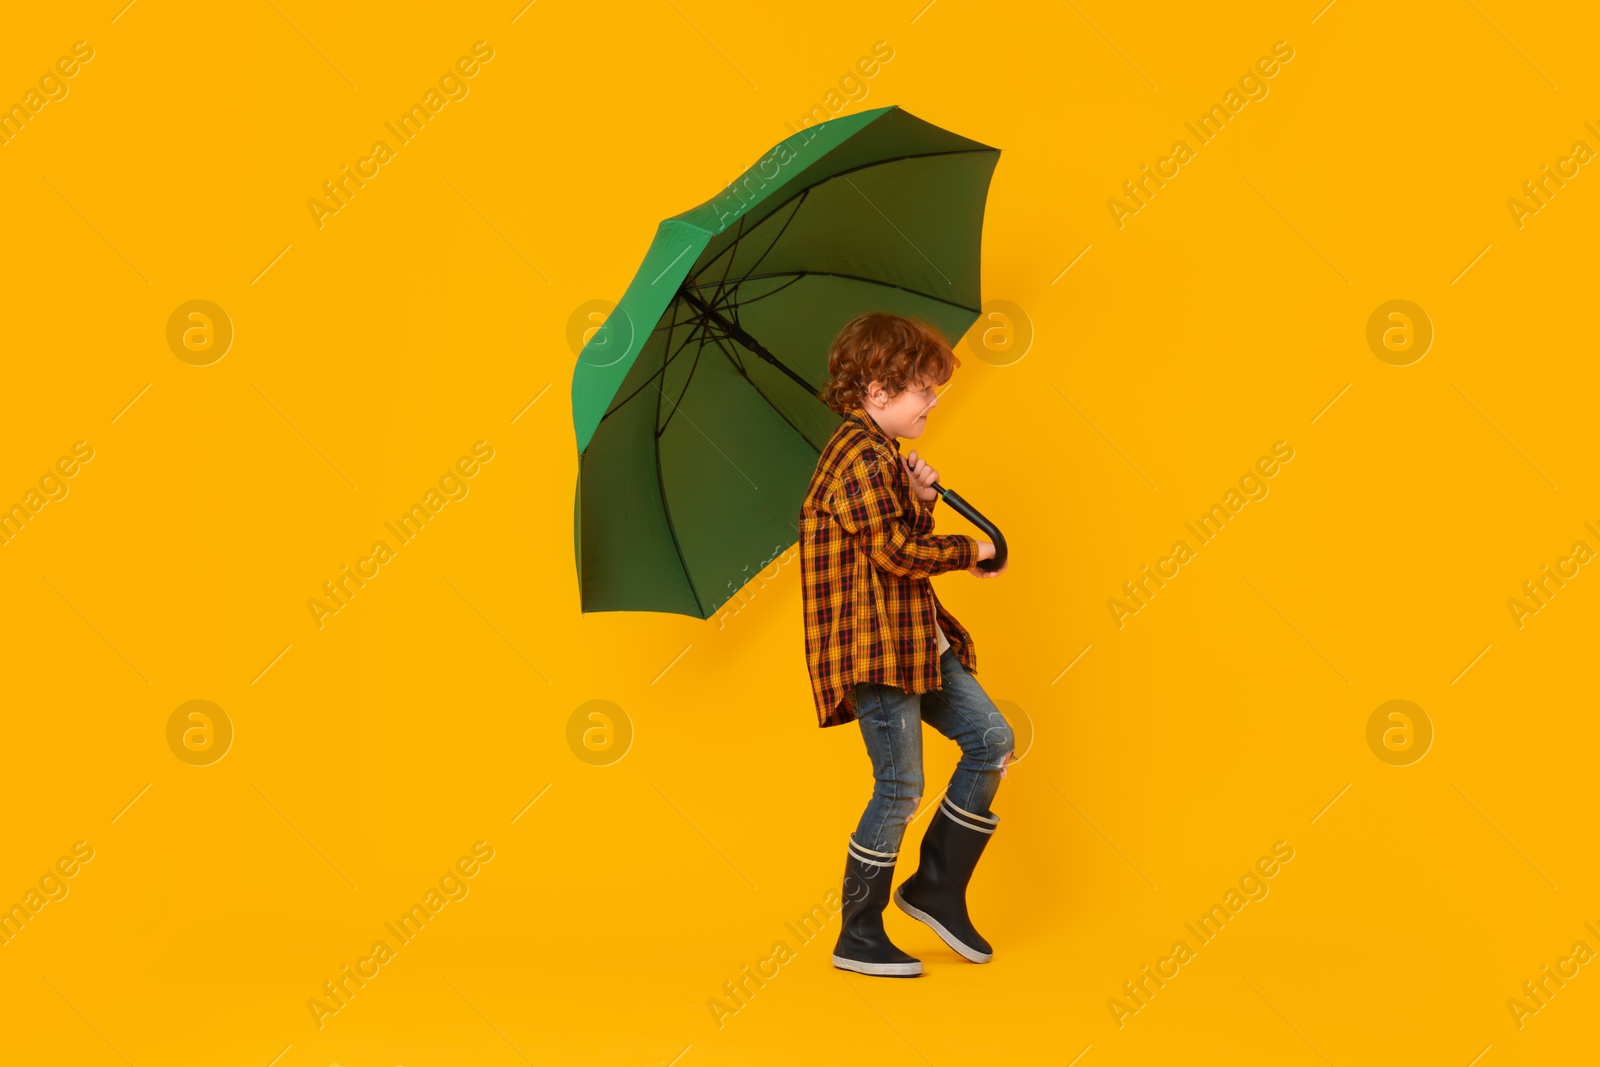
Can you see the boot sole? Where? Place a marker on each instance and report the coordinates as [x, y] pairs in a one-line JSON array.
[[950, 939], [888, 970]]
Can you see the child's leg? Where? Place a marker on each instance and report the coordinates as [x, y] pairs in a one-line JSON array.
[[961, 827], [891, 725], [963, 712]]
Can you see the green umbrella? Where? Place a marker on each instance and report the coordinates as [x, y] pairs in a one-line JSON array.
[[696, 404]]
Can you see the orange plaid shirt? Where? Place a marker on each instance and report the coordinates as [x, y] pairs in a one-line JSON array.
[[867, 552]]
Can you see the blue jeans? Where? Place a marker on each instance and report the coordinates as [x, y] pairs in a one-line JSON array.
[[891, 723]]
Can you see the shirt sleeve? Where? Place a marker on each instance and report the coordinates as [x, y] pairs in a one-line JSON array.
[[924, 514], [869, 506]]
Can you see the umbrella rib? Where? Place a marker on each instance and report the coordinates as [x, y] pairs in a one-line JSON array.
[[719, 340], [727, 270], [901, 232], [704, 319], [666, 361], [743, 337], [661, 427], [752, 300], [738, 304], [851, 170], [666, 509], [699, 319], [799, 203], [746, 376], [732, 303], [717, 296], [797, 274]]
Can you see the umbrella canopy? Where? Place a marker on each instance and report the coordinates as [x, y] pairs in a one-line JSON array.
[[696, 404]]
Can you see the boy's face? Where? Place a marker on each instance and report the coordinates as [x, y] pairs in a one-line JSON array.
[[906, 415]]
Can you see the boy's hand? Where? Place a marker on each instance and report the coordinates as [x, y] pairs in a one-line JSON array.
[[986, 551], [922, 477]]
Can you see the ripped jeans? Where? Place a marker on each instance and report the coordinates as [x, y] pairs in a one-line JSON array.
[[891, 723]]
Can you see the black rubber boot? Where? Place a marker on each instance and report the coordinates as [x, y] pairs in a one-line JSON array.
[[937, 893], [863, 945]]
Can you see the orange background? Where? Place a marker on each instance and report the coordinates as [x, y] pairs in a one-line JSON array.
[[1098, 410]]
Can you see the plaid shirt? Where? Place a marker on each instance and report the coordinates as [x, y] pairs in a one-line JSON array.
[[867, 552]]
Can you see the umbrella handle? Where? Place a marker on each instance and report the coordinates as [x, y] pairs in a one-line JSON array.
[[975, 516]]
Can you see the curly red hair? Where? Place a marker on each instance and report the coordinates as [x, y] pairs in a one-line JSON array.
[[894, 350]]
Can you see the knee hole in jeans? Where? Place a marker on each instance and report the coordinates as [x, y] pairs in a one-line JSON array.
[[999, 746]]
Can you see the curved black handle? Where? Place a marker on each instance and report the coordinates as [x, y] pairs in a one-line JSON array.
[[975, 516]]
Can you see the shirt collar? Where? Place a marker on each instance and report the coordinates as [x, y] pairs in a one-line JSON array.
[[868, 423]]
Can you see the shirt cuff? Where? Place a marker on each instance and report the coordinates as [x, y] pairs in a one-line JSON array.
[[972, 560]]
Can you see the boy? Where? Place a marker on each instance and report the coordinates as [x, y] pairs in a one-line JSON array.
[[883, 651]]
